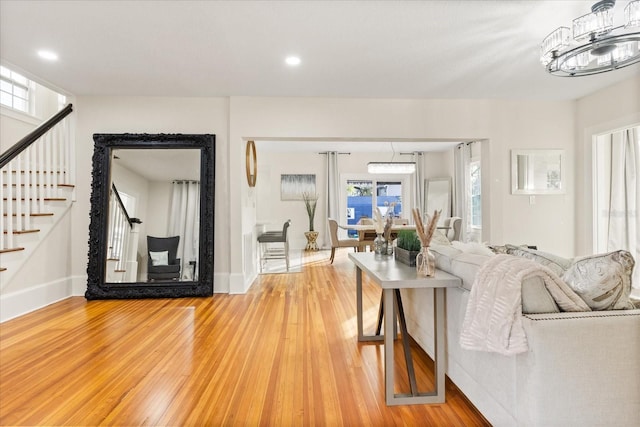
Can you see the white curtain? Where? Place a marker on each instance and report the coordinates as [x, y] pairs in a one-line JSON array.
[[462, 156], [623, 222], [418, 186], [333, 192], [184, 221]]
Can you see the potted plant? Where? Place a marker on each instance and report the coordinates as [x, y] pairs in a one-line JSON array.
[[310, 202], [407, 247]]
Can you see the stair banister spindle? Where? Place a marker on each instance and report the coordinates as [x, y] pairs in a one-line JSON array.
[[62, 167], [49, 163], [9, 222], [41, 176], [54, 162], [2, 210], [28, 185], [18, 192]]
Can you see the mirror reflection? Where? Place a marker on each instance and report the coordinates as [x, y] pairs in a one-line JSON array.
[[537, 172], [154, 216]]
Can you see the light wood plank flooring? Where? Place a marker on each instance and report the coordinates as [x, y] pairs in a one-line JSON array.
[[284, 354]]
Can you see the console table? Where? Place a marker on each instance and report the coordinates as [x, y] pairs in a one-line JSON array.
[[392, 276]]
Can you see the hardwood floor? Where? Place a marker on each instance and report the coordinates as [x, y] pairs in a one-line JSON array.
[[284, 354]]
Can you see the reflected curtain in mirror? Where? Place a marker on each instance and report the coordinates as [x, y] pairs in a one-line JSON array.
[[184, 219]]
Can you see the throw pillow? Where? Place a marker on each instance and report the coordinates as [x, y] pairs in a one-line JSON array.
[[472, 248], [439, 238], [603, 281], [159, 258], [556, 263]]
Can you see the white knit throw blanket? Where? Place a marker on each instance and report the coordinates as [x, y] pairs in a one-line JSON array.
[[493, 320]]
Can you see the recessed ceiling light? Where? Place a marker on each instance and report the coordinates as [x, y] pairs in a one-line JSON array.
[[48, 55], [292, 61]]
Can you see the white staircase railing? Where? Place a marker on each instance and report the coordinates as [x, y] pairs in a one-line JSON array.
[[32, 172], [122, 263]]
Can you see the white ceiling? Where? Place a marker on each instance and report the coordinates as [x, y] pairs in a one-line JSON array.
[[161, 165], [372, 49]]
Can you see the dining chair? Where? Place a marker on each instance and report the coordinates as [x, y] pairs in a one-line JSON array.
[[342, 243]]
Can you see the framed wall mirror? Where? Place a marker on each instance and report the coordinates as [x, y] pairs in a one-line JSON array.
[[537, 172], [152, 204]]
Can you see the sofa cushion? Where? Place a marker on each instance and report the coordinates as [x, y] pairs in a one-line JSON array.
[[444, 254], [536, 298], [466, 265], [556, 263], [603, 281]]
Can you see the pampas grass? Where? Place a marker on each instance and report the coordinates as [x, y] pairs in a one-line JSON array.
[[425, 234]]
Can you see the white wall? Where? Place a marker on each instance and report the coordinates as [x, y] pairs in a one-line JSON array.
[[273, 211], [505, 124], [150, 115], [610, 109]]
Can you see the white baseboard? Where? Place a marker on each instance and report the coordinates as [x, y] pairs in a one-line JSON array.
[[237, 284], [25, 301]]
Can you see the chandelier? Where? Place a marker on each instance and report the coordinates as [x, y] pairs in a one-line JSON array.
[[597, 44]]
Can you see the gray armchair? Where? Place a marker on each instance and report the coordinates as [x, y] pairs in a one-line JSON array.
[[162, 262]]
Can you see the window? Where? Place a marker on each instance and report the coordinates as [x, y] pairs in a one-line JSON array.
[[361, 198], [475, 196], [14, 90]]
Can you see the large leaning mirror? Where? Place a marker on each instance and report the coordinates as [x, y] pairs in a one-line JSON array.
[[151, 230]]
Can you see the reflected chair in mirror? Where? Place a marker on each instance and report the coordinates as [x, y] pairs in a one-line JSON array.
[[452, 227], [270, 247], [162, 262], [342, 243]]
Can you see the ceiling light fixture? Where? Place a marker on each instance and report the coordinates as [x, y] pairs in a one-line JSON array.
[[292, 61], [48, 55], [391, 167], [597, 45]]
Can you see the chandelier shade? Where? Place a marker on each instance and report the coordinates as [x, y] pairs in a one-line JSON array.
[[391, 167], [594, 44]]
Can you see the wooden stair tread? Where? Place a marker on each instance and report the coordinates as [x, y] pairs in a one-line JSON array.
[[2, 269], [120, 271], [35, 230], [2, 251]]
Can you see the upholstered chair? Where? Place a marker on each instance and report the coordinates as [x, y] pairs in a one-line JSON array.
[[342, 243]]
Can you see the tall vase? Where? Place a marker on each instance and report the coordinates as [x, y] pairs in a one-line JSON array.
[[426, 263]]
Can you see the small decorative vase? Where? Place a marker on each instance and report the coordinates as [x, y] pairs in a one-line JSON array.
[[426, 263], [380, 245]]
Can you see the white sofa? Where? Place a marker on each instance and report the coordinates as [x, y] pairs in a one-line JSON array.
[[581, 369]]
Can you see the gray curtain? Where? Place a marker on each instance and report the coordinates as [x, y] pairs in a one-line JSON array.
[[333, 193]]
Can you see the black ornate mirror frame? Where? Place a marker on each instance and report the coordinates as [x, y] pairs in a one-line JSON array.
[[97, 288]]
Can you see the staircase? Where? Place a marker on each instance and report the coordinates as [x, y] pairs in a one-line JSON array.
[[37, 183]]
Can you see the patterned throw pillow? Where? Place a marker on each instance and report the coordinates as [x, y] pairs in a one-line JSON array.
[[556, 263], [603, 281]]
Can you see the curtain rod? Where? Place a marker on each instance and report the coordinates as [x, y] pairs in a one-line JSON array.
[[327, 152]]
